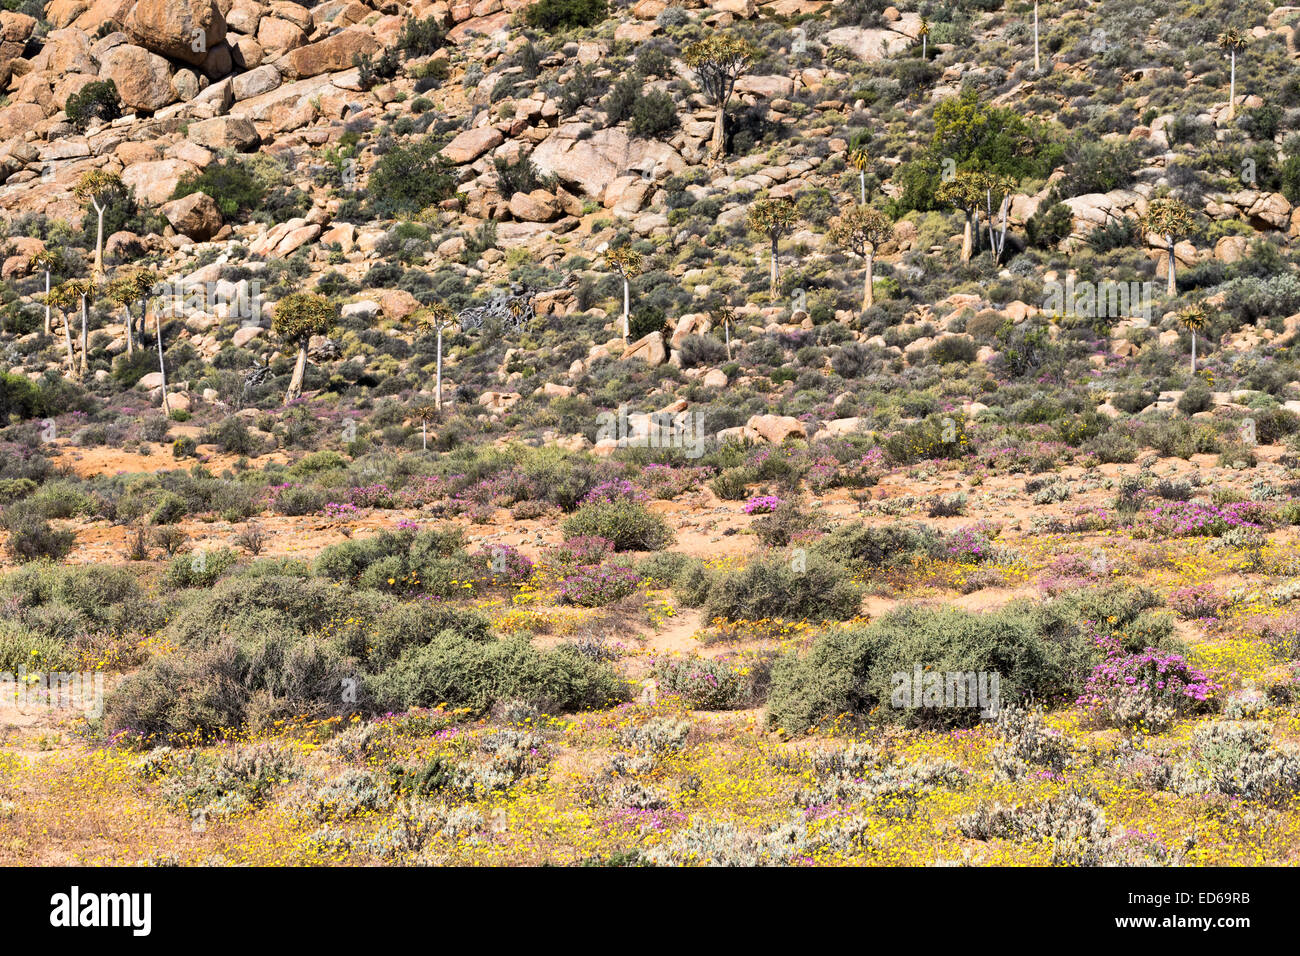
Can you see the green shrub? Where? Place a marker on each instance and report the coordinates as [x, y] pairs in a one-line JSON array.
[[31, 537], [199, 569], [654, 115], [852, 671], [97, 100], [467, 673], [802, 587], [933, 437], [1049, 225], [629, 524], [408, 179], [192, 697], [553, 15], [230, 182]]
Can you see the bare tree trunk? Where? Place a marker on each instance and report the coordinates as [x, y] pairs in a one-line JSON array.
[[299, 370], [772, 279], [1038, 67], [869, 291], [1232, 85], [85, 336], [726, 327], [626, 305], [719, 145], [438, 400], [162, 366], [130, 339], [424, 436], [1173, 288], [862, 185], [966, 240], [67, 340], [47, 301], [1193, 351], [99, 241]]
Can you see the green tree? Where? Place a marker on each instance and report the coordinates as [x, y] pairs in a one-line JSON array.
[[965, 191], [1170, 219], [47, 261], [859, 232], [299, 316], [773, 218], [1194, 318], [1234, 41], [719, 60], [98, 187], [408, 179], [625, 261], [64, 298], [438, 317]]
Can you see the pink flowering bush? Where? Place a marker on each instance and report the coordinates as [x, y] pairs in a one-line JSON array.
[[1200, 601], [762, 504], [1147, 690], [704, 684], [582, 550], [609, 492], [971, 545], [372, 496], [598, 585], [1181, 519], [666, 481], [505, 564]]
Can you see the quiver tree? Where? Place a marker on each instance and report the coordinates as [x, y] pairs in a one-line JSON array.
[[625, 261], [47, 262], [923, 31], [438, 317], [965, 191], [773, 218], [998, 190], [98, 187], [860, 160], [68, 295], [1170, 219], [725, 316], [1233, 41], [299, 316], [719, 60], [860, 231], [64, 297], [425, 413], [1194, 318], [126, 290]]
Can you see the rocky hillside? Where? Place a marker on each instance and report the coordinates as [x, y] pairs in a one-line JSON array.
[[398, 157]]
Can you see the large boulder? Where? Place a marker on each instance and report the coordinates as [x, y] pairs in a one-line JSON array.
[[143, 79], [195, 215], [471, 144], [331, 55], [226, 132], [867, 45], [774, 428], [19, 118], [181, 29], [154, 182], [593, 160], [650, 349]]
